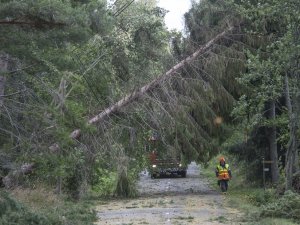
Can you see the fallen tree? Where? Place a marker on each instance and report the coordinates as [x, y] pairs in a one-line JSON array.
[[10, 180], [150, 86]]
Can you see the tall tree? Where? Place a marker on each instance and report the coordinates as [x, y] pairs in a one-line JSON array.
[[276, 59], [273, 144], [41, 38]]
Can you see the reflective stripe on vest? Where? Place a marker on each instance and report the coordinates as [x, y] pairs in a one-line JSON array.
[[223, 172]]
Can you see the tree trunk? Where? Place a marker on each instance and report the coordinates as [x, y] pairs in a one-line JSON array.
[[296, 104], [143, 90], [3, 69], [291, 154], [60, 104], [273, 145], [2, 85], [58, 185]]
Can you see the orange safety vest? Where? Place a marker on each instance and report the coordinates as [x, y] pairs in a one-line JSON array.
[[223, 172]]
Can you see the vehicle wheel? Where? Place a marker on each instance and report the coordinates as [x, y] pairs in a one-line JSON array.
[[183, 173]]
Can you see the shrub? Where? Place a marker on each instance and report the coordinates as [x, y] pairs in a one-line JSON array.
[[78, 214], [288, 206], [13, 213], [124, 186], [68, 213], [106, 183], [260, 197]]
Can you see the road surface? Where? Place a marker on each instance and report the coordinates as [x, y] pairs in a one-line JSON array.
[[176, 201]]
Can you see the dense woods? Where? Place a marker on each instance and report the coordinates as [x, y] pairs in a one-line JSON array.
[[84, 84]]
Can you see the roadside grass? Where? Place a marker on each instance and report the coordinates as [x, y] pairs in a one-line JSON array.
[[148, 205], [273, 221], [258, 206], [221, 219], [41, 206], [188, 218], [161, 203]]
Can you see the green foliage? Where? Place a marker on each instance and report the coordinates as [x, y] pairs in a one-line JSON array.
[[77, 214], [125, 185], [209, 85], [277, 41], [287, 206], [270, 29], [272, 221], [105, 183], [260, 197], [44, 114], [13, 213], [206, 17], [110, 183]]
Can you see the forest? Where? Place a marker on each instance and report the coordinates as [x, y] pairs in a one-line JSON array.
[[85, 83]]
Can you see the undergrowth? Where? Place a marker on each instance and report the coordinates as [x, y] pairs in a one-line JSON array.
[[38, 208], [12, 212], [287, 206], [113, 184]]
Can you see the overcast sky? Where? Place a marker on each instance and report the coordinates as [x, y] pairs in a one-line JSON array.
[[174, 19]]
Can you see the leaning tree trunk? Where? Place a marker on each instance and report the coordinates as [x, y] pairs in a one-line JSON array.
[[3, 69], [148, 87], [273, 145], [291, 154], [2, 85], [59, 102]]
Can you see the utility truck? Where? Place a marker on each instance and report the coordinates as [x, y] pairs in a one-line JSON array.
[[165, 166], [164, 161]]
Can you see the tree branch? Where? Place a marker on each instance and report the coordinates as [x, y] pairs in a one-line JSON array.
[[35, 23], [15, 93]]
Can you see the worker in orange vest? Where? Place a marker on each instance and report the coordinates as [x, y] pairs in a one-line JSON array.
[[223, 173]]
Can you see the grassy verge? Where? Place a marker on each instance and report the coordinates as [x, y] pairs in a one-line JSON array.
[[258, 206], [42, 207]]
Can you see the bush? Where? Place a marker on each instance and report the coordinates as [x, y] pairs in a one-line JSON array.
[[288, 206], [260, 197], [124, 186], [68, 213], [13, 213], [105, 184], [77, 214]]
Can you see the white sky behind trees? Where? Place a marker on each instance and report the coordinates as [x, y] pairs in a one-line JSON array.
[[174, 18]]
